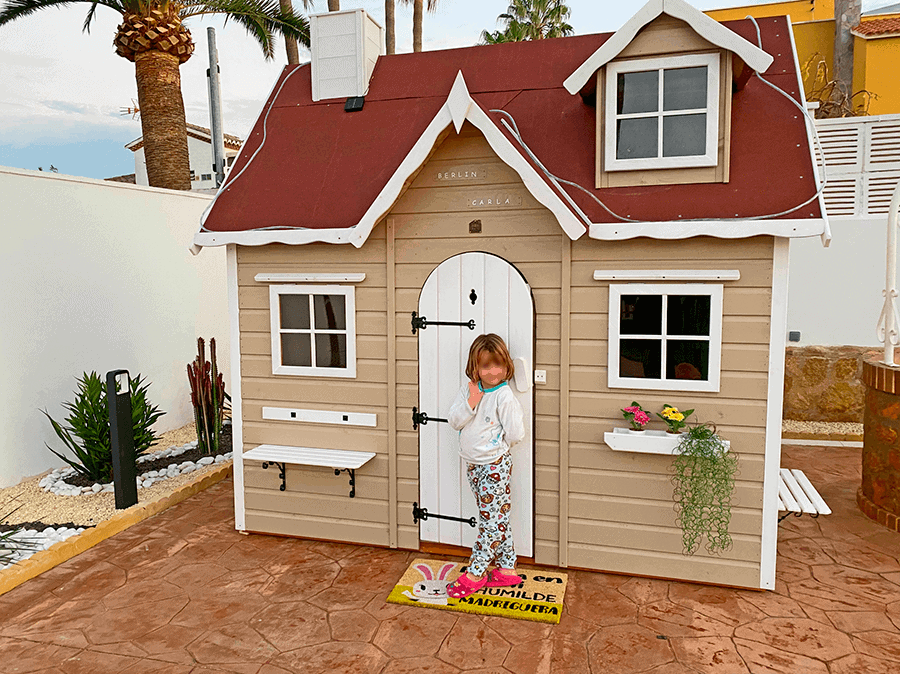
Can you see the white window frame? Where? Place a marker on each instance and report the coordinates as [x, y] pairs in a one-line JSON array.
[[348, 292], [710, 158], [713, 290]]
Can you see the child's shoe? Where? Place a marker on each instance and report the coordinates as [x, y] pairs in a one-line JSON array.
[[497, 578], [463, 587]]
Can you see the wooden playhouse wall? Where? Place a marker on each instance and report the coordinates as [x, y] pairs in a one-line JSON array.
[[617, 505]]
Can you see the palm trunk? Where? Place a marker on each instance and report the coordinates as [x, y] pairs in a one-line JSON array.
[[418, 12], [162, 120], [290, 46], [389, 41], [334, 5], [846, 17]]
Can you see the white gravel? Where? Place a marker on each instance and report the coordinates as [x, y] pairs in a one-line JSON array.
[[30, 541]]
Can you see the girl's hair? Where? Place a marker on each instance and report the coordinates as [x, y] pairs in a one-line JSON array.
[[494, 345]]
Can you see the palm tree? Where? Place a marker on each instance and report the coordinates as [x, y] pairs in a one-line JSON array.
[[531, 20], [154, 38], [418, 17], [389, 40]]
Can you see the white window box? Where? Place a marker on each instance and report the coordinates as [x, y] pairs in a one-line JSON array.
[[648, 442]]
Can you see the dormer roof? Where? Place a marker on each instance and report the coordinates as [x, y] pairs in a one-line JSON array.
[[709, 29]]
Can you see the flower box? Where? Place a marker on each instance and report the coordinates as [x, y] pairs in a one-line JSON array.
[[648, 442]]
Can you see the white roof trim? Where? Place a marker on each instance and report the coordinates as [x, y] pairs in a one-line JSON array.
[[721, 229], [458, 108], [706, 27]]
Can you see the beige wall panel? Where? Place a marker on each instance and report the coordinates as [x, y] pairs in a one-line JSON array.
[[367, 322], [546, 552], [408, 537], [407, 397], [478, 173], [546, 478], [538, 275], [696, 568], [367, 298], [496, 224], [323, 528], [259, 432], [407, 467], [407, 372], [407, 299], [665, 35], [407, 490], [701, 249], [651, 539], [408, 441], [747, 302], [548, 327], [376, 274], [546, 401], [460, 199], [709, 406], [330, 391], [368, 347], [408, 348], [470, 144], [648, 486], [514, 250], [546, 528], [744, 521], [754, 273], [312, 482], [735, 357], [546, 427], [735, 329], [278, 253], [342, 507], [367, 372], [751, 385], [546, 502], [546, 353], [546, 300], [600, 457], [546, 452]]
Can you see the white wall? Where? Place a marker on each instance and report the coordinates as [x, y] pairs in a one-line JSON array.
[[199, 156], [834, 295], [96, 275]]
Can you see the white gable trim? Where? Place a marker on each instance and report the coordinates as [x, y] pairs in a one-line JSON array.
[[459, 108], [706, 27]]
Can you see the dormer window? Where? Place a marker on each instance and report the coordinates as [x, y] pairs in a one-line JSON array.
[[662, 113]]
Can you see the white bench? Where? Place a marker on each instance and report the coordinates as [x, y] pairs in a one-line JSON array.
[[338, 459], [797, 495]]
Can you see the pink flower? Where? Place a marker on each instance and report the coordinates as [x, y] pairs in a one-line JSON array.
[[641, 417], [632, 410]]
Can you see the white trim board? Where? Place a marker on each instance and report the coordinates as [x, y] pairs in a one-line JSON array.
[[706, 27], [458, 108], [722, 229], [237, 423], [310, 278], [667, 275], [774, 402], [319, 416]]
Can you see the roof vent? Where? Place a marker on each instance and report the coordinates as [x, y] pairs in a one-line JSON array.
[[345, 46]]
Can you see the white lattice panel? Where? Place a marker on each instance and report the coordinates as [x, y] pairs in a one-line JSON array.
[[344, 46], [842, 196]]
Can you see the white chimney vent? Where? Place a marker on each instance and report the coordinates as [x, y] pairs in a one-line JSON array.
[[345, 46]]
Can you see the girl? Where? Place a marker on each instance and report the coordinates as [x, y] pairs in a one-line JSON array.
[[489, 420]]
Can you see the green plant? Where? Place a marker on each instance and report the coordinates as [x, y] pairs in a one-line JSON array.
[[703, 476], [674, 419], [88, 421], [9, 546], [636, 416], [207, 397]]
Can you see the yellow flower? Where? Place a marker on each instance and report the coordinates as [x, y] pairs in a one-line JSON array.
[[677, 417]]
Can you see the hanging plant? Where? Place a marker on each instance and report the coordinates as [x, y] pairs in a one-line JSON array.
[[703, 477]]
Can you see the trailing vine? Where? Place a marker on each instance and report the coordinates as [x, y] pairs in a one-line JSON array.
[[703, 476]]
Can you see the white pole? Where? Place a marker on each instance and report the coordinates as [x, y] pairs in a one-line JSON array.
[[217, 136], [888, 328]]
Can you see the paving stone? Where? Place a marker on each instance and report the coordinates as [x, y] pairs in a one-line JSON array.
[[575, 629], [774, 605], [166, 639], [140, 592], [70, 638], [857, 663], [851, 622], [804, 550], [62, 616], [863, 583], [352, 626], [231, 644], [830, 598], [799, 635], [117, 625], [627, 648], [419, 666], [548, 656], [861, 556], [763, 659], [96, 580], [292, 625], [645, 590], [346, 657], [468, 631], [879, 644], [23, 656], [415, 633], [518, 631], [709, 655], [380, 609], [211, 608], [671, 620], [240, 581], [156, 667], [721, 604], [95, 662], [341, 599], [788, 570], [187, 576], [587, 594]]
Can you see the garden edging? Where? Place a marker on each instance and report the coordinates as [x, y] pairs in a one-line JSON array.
[[65, 550]]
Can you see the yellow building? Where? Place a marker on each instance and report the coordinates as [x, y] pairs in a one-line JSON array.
[[876, 49]]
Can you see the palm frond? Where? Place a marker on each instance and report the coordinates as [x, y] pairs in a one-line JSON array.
[[261, 18], [16, 9]]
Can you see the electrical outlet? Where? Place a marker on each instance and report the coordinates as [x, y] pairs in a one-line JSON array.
[[540, 376]]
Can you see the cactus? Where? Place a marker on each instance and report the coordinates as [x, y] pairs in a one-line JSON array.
[[207, 397]]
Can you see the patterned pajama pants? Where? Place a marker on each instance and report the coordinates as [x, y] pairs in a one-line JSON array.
[[490, 485]]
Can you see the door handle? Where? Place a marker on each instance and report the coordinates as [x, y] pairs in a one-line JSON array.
[[523, 375]]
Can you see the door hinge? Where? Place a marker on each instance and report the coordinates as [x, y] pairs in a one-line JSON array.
[[420, 323], [423, 514], [422, 418]]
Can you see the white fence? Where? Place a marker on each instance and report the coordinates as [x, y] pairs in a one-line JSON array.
[[835, 293], [97, 275]]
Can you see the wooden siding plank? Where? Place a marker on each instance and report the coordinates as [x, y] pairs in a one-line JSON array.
[[520, 248], [367, 298], [646, 486], [735, 329], [486, 172], [316, 253], [710, 407], [754, 273], [259, 432], [366, 389], [591, 430], [367, 322], [339, 506], [458, 199], [537, 274], [500, 224], [749, 385], [735, 357], [700, 249], [322, 528], [599, 457], [464, 146], [316, 482]]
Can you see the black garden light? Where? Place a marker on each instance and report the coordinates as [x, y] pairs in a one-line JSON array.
[[121, 431]]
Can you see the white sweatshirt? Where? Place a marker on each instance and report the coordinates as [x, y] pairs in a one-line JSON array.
[[487, 432]]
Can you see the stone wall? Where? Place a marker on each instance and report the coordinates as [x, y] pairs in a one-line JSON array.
[[824, 383]]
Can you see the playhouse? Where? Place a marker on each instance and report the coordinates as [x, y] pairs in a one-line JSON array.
[[618, 207]]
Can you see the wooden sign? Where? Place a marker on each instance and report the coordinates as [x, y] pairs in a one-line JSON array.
[[472, 173], [494, 201]]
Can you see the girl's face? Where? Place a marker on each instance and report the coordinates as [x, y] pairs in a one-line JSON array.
[[490, 370]]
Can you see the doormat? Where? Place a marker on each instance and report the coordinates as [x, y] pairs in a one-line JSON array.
[[538, 597]]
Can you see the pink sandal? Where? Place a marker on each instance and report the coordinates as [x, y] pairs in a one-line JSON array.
[[497, 578], [463, 587]]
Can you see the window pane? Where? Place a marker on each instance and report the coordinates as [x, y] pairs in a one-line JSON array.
[[684, 88], [687, 359], [684, 135], [331, 350], [638, 92], [640, 358], [330, 314], [295, 350], [641, 315], [294, 311], [636, 138], [688, 315]]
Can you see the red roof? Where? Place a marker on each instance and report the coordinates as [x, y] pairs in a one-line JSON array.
[[877, 27], [322, 167]]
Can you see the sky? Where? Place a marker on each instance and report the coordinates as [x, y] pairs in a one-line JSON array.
[[62, 90]]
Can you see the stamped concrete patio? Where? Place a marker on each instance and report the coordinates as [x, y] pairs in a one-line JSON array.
[[183, 592]]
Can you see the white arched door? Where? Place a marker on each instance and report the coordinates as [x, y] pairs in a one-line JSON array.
[[491, 292]]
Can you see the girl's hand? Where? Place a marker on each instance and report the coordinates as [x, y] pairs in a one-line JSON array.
[[475, 394]]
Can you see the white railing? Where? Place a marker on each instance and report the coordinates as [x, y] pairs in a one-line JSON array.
[[888, 328]]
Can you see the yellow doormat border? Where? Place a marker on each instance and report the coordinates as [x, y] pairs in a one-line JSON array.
[[60, 552], [519, 602]]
